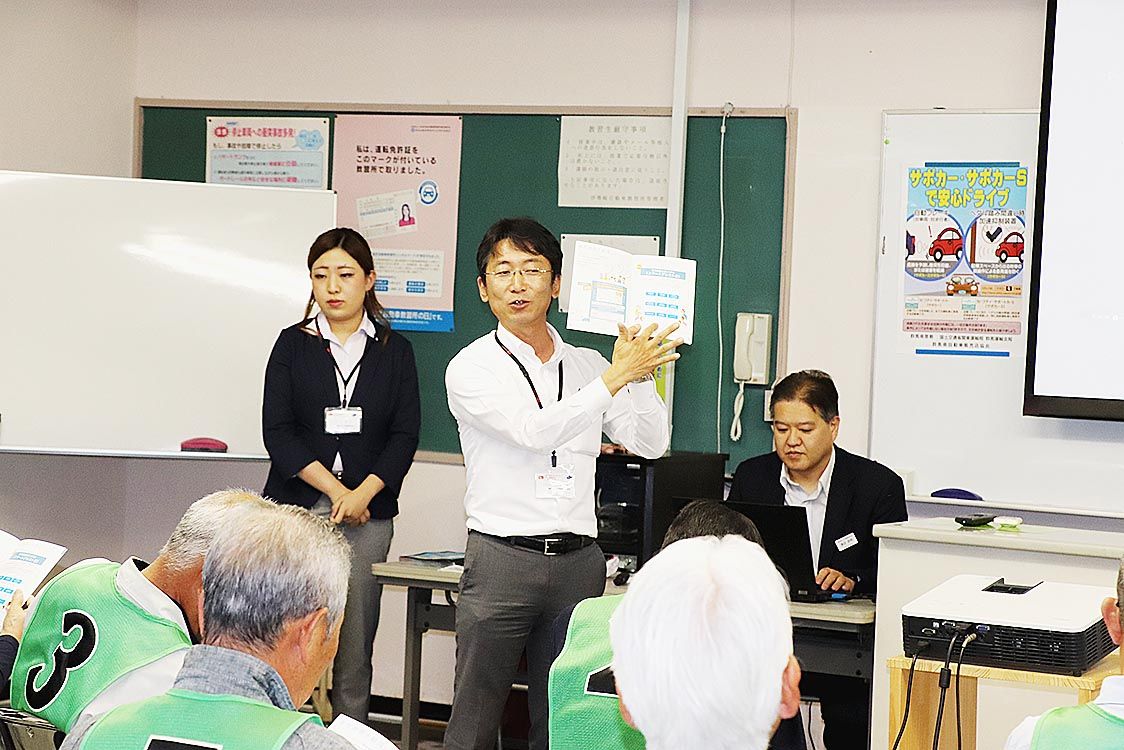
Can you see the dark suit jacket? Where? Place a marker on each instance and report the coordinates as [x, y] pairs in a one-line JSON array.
[[300, 381], [863, 493]]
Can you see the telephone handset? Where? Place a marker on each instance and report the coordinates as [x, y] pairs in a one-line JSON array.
[[752, 333], [751, 348]]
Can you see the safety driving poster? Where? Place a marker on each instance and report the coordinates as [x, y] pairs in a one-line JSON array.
[[398, 182], [287, 152], [966, 248]]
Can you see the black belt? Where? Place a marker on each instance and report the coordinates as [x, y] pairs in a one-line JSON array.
[[548, 544]]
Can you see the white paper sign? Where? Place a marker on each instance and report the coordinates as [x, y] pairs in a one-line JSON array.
[[611, 286], [620, 162]]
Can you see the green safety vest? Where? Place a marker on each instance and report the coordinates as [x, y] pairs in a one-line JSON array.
[[184, 720], [584, 710], [83, 636], [1087, 725]]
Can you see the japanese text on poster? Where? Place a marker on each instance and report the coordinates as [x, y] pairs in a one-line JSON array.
[[965, 252], [268, 151], [619, 162], [398, 181]]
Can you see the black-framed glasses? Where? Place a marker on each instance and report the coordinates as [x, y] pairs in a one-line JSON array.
[[529, 274]]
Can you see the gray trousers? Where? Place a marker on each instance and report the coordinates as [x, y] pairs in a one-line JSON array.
[[351, 671], [509, 600]]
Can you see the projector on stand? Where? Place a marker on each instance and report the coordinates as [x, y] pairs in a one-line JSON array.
[[1043, 627]]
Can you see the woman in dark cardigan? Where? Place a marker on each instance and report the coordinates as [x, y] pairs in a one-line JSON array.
[[340, 420]]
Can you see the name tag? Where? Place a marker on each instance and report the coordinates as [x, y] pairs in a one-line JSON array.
[[555, 483], [846, 542], [339, 421]]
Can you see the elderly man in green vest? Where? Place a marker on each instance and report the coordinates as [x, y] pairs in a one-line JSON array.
[[274, 589], [702, 647], [583, 701], [1099, 724], [101, 634]]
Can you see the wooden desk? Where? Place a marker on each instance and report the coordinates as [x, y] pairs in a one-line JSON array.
[[833, 638], [926, 695]]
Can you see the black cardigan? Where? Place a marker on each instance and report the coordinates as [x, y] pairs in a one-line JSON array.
[[300, 381]]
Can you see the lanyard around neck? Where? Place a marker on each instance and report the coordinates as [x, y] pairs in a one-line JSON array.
[[346, 380], [534, 391]]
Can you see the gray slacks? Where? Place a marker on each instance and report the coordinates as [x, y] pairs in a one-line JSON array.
[[351, 671], [509, 599]]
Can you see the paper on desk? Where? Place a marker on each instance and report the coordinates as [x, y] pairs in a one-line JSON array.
[[360, 735], [454, 568], [24, 564], [610, 286]]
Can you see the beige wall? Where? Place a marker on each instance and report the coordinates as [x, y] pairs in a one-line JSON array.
[[67, 82]]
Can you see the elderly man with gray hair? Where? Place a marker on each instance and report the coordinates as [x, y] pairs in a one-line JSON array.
[[702, 647], [101, 634], [274, 589]]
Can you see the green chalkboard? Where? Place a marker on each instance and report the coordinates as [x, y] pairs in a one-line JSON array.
[[509, 168]]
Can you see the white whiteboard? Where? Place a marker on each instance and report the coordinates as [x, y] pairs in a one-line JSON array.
[[956, 421], [140, 313]]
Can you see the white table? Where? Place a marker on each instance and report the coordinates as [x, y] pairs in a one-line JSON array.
[[916, 556]]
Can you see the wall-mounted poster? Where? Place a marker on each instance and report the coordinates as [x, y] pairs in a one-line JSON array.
[[966, 247], [268, 151], [614, 162], [398, 182]]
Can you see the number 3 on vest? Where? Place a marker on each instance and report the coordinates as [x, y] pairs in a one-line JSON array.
[[64, 660]]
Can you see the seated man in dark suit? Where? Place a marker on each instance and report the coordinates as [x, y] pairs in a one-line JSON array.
[[845, 496]]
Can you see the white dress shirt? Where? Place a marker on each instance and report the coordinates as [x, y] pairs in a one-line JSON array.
[[814, 504], [506, 438], [155, 678], [347, 355], [1111, 699]]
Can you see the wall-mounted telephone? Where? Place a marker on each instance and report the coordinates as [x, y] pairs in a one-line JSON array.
[[752, 334]]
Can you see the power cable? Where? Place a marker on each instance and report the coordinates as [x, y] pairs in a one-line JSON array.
[[727, 109], [971, 637], [944, 680]]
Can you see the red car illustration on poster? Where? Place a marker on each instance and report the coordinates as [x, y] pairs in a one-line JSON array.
[[959, 285], [1010, 247], [948, 243]]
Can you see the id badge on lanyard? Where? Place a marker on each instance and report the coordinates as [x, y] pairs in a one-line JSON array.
[[343, 419], [557, 481]]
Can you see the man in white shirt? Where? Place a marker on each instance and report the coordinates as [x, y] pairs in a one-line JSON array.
[[1099, 724], [531, 410]]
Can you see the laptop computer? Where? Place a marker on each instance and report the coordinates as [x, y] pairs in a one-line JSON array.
[[784, 530]]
